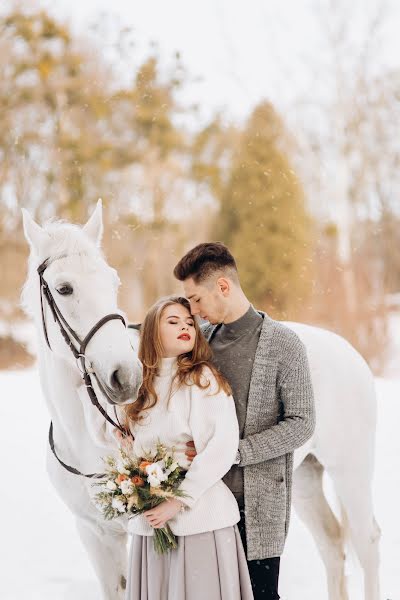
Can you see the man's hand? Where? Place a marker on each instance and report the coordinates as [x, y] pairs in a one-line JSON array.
[[158, 516], [191, 450]]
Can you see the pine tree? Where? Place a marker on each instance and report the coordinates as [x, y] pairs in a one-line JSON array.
[[263, 219]]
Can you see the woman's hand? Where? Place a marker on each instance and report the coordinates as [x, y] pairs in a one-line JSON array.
[[158, 516], [124, 441]]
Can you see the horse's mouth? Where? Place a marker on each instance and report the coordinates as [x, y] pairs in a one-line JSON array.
[[122, 396]]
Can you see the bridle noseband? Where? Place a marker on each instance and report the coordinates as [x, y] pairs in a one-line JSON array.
[[79, 354]]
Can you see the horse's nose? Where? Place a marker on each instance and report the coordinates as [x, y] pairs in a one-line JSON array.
[[124, 382]]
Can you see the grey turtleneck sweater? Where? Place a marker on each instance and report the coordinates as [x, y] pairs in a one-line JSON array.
[[234, 346]]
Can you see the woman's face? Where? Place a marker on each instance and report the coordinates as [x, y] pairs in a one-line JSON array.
[[177, 330]]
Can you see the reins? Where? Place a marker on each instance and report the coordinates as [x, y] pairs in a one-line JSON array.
[[79, 354]]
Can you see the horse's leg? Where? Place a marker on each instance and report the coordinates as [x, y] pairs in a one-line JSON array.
[[356, 498], [107, 549], [313, 509]]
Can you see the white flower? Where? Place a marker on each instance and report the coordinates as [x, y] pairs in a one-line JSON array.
[[157, 471], [111, 485], [126, 487], [118, 504], [155, 474], [121, 467], [153, 481]]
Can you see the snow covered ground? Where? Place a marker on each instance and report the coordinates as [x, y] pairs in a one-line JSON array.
[[41, 557]]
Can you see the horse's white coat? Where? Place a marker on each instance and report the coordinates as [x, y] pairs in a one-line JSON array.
[[344, 446]]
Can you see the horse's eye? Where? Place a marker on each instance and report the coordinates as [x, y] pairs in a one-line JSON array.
[[65, 289]]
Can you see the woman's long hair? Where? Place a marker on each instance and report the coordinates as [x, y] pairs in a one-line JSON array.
[[189, 365]]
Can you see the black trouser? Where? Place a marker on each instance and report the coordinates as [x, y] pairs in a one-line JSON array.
[[264, 574]]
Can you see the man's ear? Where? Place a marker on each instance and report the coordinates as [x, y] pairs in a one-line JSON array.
[[224, 285], [94, 226]]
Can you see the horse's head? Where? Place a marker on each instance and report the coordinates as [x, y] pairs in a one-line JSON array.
[[84, 289]]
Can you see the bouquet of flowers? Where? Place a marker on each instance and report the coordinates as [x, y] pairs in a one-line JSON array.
[[133, 484]]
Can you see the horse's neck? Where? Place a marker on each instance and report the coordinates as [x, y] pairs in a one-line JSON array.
[[59, 382], [78, 429]]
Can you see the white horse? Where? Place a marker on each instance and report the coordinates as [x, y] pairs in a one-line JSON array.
[[343, 445], [343, 442], [84, 288]]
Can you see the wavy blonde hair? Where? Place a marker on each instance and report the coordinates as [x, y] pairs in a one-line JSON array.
[[190, 364]]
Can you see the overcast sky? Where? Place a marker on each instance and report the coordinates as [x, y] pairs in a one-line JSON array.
[[241, 51]]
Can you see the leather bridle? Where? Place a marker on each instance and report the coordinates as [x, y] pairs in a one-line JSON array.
[[71, 337]]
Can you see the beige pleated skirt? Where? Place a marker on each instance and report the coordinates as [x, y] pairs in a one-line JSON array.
[[205, 566]]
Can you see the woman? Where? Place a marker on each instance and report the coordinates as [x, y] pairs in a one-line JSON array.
[[184, 397]]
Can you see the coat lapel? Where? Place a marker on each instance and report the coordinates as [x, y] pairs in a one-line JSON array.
[[208, 330], [258, 394]]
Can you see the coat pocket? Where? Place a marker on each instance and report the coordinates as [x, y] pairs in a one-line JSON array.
[[272, 502]]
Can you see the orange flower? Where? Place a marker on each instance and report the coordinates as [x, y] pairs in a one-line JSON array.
[[121, 477], [137, 481], [144, 464]]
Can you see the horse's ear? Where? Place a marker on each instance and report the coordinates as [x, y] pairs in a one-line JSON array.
[[35, 235], [94, 226]]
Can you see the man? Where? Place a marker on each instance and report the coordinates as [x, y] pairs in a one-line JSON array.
[[266, 364]]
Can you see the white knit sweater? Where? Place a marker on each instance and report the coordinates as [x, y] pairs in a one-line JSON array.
[[209, 420]]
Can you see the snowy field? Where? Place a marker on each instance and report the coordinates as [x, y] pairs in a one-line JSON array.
[[41, 557]]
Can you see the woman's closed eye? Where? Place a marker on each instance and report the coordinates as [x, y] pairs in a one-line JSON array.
[[191, 323]]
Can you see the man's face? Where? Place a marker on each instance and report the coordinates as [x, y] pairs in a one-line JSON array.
[[206, 299]]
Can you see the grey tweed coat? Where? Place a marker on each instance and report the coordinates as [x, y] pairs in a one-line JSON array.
[[280, 417]]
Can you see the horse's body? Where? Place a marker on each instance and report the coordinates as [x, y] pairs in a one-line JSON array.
[[343, 445], [343, 442]]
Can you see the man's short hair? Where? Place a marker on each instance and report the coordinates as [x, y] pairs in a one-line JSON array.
[[204, 260]]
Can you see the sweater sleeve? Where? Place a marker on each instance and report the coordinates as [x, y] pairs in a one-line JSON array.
[[298, 421], [215, 431]]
